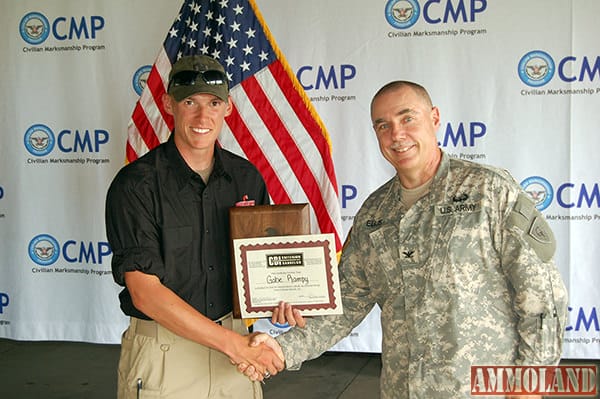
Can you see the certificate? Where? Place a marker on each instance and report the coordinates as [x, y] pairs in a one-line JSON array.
[[298, 269]]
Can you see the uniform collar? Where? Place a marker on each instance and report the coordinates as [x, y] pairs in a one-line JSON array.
[[437, 188], [183, 173]]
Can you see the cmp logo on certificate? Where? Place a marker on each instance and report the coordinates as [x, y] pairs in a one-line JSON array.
[[298, 269]]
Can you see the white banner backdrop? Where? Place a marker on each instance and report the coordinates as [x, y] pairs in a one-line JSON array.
[[517, 83]]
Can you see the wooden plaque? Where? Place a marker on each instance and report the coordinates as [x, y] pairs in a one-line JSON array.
[[264, 221]]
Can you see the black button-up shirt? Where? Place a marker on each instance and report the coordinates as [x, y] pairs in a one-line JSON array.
[[162, 219]]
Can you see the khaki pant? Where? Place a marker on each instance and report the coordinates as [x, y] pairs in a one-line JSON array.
[[167, 366]]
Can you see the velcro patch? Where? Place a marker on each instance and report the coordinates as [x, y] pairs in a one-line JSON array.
[[535, 229], [540, 231]]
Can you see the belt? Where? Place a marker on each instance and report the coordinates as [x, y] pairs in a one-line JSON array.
[[149, 328]]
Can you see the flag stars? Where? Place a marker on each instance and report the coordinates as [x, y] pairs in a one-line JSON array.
[[238, 9], [247, 50], [222, 28], [232, 43], [245, 66]]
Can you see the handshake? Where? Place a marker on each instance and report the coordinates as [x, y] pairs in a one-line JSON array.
[[262, 357]]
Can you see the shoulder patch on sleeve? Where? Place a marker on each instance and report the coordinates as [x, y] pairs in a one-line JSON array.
[[535, 230]]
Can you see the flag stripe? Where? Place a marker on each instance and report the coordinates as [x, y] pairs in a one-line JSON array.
[[303, 108], [266, 142], [157, 82], [288, 147], [304, 142], [266, 145], [143, 126], [303, 114], [130, 154], [255, 155]]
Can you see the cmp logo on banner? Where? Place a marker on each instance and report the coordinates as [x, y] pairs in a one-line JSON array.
[[329, 78], [583, 327], [76, 32], [539, 190], [4, 302], [34, 28], [404, 14], [273, 329], [75, 146], [584, 321], [140, 78], [45, 250], [568, 196], [460, 139], [538, 68]]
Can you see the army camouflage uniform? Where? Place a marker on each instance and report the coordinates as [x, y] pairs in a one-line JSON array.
[[464, 277]]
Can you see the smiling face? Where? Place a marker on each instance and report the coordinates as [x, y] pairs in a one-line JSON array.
[[198, 122], [406, 123]]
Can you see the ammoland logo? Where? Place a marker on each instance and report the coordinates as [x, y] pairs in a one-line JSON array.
[[534, 380]]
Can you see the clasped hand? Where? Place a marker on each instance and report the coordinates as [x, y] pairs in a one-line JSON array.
[[282, 314]]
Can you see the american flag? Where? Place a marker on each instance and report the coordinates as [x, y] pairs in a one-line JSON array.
[[273, 123]]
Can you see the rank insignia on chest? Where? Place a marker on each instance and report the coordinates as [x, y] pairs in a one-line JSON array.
[[409, 255]]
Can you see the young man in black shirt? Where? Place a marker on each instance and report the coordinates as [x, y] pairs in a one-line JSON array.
[[167, 224]]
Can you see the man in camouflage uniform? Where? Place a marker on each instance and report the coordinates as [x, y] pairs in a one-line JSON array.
[[455, 254]]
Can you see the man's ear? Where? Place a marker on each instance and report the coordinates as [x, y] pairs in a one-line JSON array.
[[229, 107], [167, 101], [435, 115]]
